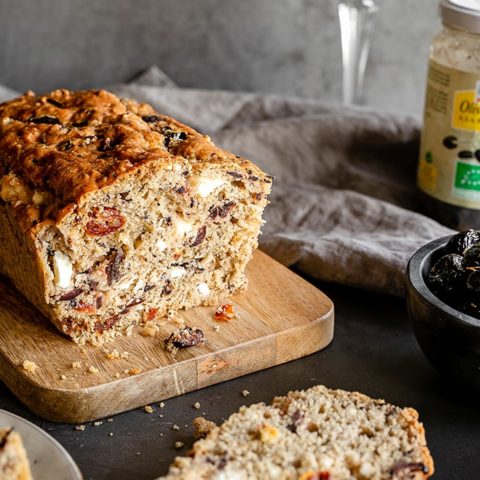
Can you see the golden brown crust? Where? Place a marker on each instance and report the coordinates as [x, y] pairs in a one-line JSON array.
[[419, 430], [65, 144]]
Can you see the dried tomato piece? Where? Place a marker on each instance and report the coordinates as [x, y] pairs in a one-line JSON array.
[[83, 307], [225, 312], [107, 324], [316, 476], [104, 221], [151, 314]]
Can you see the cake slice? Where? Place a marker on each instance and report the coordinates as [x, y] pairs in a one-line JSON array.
[[13, 458], [316, 434], [112, 215]]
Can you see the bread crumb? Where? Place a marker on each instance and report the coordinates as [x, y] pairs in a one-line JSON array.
[[63, 377], [202, 427], [175, 427], [148, 409], [245, 393], [149, 329], [134, 371], [110, 434], [162, 404], [185, 337], [76, 364], [80, 428], [179, 445], [114, 354], [29, 366], [197, 405], [117, 375], [98, 423], [110, 420], [125, 355], [216, 328], [93, 369], [225, 313]]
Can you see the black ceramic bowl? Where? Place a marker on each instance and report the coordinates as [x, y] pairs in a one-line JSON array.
[[449, 338]]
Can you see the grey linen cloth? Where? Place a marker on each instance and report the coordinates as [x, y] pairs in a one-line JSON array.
[[344, 197]]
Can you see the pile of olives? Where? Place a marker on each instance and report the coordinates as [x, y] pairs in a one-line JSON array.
[[455, 277]]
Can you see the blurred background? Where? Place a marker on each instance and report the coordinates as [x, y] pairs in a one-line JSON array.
[[287, 47]]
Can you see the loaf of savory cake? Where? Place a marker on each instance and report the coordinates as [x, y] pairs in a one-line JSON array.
[[112, 215], [14, 464], [316, 434]]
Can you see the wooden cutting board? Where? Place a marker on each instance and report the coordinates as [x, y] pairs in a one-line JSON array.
[[281, 318]]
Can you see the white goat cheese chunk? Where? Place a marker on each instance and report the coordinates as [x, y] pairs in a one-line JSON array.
[[203, 289], [182, 227], [161, 245], [63, 270], [177, 272], [206, 185]]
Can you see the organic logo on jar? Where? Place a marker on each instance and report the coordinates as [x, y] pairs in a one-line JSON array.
[[466, 181], [467, 176]]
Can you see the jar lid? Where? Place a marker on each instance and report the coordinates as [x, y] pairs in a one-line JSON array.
[[463, 14]]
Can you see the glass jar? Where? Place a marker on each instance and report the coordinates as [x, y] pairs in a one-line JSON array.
[[449, 164]]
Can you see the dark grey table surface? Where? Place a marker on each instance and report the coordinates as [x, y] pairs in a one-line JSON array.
[[373, 351]]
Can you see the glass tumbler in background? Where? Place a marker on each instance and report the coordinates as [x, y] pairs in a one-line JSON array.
[[356, 24]]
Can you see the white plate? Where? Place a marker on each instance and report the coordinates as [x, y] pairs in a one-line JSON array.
[[48, 459]]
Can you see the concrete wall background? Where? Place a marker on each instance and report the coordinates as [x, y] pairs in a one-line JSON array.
[[287, 47]]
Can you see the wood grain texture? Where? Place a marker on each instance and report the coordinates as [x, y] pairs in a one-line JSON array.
[[282, 317]]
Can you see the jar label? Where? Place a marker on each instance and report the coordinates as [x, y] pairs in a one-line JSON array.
[[449, 165]]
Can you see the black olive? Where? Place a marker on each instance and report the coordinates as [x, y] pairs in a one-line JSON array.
[[65, 145], [45, 119], [462, 241], [53, 102], [447, 277], [465, 154], [471, 308], [450, 142], [107, 144], [473, 282], [477, 154], [151, 118], [83, 123], [472, 257], [171, 135]]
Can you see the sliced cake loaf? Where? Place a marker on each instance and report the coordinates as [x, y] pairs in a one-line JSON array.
[[112, 215], [317, 434], [13, 458]]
